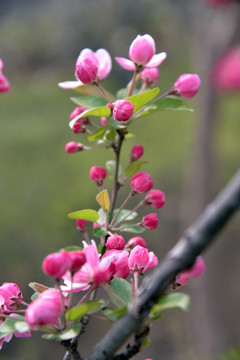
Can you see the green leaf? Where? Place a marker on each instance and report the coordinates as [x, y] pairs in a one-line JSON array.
[[39, 288], [99, 231], [132, 229], [67, 334], [122, 288], [116, 124], [170, 301], [111, 166], [91, 90], [170, 102], [102, 217], [12, 325], [89, 102], [113, 314], [103, 200], [142, 99], [88, 307], [97, 134], [98, 111], [110, 134], [124, 213], [88, 214], [129, 136], [134, 167]]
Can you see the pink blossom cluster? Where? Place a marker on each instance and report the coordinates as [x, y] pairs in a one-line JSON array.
[[10, 300]]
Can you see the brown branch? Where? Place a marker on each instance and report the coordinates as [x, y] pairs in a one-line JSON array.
[[196, 239]]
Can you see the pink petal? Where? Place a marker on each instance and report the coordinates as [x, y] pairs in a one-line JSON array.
[[105, 63], [156, 60], [125, 63], [70, 84], [1, 65]]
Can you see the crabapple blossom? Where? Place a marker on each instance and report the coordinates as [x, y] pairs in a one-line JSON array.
[[155, 198], [140, 260], [45, 310], [150, 221], [187, 85], [142, 54], [137, 240], [81, 225], [116, 242], [122, 110], [11, 296], [56, 264], [98, 175], [103, 121], [78, 259], [195, 271], [73, 147], [136, 152], [150, 76], [225, 74], [141, 182], [93, 66]]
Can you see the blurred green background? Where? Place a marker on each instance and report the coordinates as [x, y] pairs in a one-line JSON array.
[[40, 183]]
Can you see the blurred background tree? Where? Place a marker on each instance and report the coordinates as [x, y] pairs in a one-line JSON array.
[[192, 155]]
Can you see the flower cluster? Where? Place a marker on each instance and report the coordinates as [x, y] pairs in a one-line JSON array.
[[106, 257]]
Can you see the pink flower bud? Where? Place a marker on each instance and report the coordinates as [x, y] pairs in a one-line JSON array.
[[96, 225], [155, 198], [110, 106], [196, 270], [98, 175], [138, 258], [141, 182], [43, 311], [77, 111], [122, 110], [225, 75], [81, 225], [142, 49], [150, 221], [78, 259], [137, 240], [56, 264], [153, 261], [116, 242], [87, 66], [150, 76], [104, 121], [11, 294], [180, 281], [73, 147], [136, 152], [103, 275], [187, 85]]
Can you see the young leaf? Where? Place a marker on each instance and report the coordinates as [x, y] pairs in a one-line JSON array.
[[103, 200], [102, 217], [88, 307], [97, 134], [98, 111], [67, 334], [99, 231], [72, 248], [134, 167], [124, 213], [132, 229], [12, 325], [113, 314], [116, 124], [142, 99], [170, 102], [89, 102], [111, 166], [180, 300], [88, 214], [122, 288], [110, 134]]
